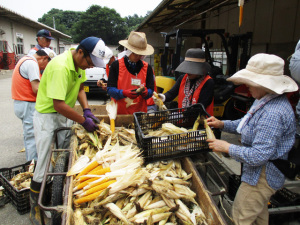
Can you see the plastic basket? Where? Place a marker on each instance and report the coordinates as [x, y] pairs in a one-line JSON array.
[[19, 198], [175, 145]]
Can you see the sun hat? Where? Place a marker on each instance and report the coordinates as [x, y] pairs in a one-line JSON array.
[[49, 52], [137, 43], [96, 48], [265, 70], [194, 62], [44, 33]]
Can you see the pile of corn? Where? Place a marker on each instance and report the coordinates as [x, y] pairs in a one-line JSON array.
[[115, 188], [156, 194], [22, 180], [111, 185]]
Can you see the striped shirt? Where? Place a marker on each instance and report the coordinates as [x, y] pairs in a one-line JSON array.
[[269, 134]]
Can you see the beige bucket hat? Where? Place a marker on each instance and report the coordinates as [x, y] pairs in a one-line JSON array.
[[137, 43], [265, 70]]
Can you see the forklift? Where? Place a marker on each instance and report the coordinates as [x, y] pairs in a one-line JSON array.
[[231, 102]]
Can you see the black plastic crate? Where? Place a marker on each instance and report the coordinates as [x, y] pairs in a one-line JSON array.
[[19, 198], [175, 145]]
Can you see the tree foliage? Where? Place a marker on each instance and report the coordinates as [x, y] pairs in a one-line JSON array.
[[101, 22], [64, 20], [95, 21], [133, 22]]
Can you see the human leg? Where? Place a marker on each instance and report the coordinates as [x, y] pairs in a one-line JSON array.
[[24, 111], [65, 135], [250, 203], [29, 139]]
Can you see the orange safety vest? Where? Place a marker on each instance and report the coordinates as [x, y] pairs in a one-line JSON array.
[[21, 88], [124, 82], [107, 70], [195, 97]]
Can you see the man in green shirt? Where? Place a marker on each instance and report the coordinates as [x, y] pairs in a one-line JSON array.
[[61, 85]]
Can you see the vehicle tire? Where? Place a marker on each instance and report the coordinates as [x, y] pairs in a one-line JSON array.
[[230, 113], [58, 186]]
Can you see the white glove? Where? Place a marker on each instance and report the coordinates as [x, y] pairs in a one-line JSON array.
[[162, 97]]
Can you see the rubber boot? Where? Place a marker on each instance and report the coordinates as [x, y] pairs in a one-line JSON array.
[[36, 216]]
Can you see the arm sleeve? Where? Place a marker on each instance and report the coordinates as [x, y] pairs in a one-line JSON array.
[[113, 75], [207, 93], [149, 82], [112, 82], [265, 142], [231, 125], [173, 92]]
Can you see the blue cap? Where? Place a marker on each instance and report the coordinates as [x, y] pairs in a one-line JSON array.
[[96, 48], [44, 33]]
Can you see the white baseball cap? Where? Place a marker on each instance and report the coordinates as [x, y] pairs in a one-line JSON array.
[[96, 48], [49, 52]]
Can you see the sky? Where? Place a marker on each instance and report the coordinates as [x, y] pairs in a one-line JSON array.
[[35, 9]]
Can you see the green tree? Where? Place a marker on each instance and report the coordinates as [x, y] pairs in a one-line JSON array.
[[96, 21], [64, 20], [133, 22], [101, 22]]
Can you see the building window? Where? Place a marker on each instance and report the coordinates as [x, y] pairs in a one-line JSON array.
[[3, 46], [20, 48], [61, 49]]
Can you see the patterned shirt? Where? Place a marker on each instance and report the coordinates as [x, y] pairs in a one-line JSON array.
[[269, 134]]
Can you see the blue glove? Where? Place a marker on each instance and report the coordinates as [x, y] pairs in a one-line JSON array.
[[89, 124], [87, 113]]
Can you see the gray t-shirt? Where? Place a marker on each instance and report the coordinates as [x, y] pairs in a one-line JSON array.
[[30, 69]]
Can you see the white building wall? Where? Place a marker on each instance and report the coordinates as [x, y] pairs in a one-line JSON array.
[[12, 29]]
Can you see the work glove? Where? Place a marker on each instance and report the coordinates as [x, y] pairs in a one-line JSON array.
[[130, 94], [145, 93], [87, 113], [89, 124], [162, 97]]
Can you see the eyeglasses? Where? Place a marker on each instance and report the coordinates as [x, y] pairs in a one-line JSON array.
[[49, 59], [89, 64]]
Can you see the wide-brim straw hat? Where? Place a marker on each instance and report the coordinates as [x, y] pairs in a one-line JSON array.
[[194, 63], [137, 43], [265, 70]]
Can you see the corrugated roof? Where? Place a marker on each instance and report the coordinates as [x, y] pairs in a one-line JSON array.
[[173, 13], [14, 16]]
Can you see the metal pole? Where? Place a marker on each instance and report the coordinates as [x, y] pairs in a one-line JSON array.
[[53, 22]]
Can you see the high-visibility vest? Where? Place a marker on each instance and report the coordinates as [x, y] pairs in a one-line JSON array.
[[195, 97], [21, 88], [124, 82]]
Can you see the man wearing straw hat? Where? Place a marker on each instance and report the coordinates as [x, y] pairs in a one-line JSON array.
[[195, 86], [267, 133], [131, 73]]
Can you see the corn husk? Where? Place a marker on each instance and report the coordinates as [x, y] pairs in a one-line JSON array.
[[79, 165], [172, 129]]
